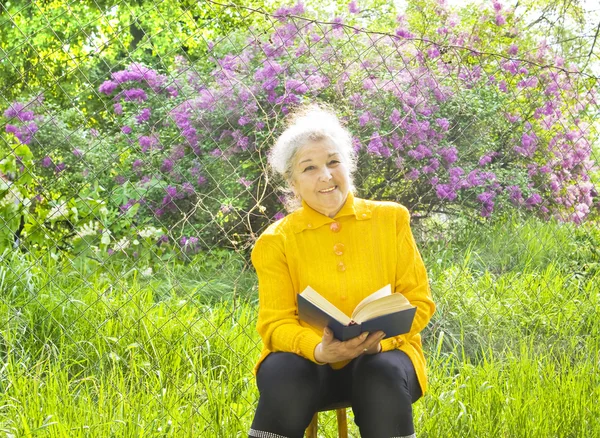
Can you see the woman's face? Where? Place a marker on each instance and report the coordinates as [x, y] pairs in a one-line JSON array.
[[320, 177]]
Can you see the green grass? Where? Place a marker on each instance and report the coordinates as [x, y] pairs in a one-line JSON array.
[[513, 350]]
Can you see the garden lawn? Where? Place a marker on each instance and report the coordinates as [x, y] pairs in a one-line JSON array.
[[513, 350]]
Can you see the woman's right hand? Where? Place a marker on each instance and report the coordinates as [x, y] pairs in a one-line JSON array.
[[331, 350]]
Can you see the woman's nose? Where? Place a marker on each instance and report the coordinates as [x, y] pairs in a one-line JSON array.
[[325, 175]]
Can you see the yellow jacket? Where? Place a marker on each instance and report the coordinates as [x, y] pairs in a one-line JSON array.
[[366, 246]]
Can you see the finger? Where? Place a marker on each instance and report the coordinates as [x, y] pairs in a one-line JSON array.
[[356, 342], [371, 341], [327, 336]]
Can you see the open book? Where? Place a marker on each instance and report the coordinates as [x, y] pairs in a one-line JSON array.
[[382, 310]]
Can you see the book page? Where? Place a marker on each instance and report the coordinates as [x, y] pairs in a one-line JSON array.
[[382, 306], [318, 300], [384, 291]]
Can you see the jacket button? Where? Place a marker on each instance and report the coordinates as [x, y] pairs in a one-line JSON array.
[[338, 249], [335, 227], [309, 225], [341, 267]]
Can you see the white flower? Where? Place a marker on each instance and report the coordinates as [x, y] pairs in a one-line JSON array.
[[147, 272], [89, 229], [105, 237], [150, 232], [122, 244], [58, 212]]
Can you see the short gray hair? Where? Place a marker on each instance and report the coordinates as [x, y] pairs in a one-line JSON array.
[[308, 124]]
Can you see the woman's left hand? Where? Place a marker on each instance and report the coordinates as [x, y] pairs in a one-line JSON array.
[[374, 349]]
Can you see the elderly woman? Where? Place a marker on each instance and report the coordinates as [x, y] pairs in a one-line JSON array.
[[345, 248]]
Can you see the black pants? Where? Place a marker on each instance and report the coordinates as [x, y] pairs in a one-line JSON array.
[[380, 387]]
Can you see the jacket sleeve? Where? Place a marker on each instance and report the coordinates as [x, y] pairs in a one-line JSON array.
[[411, 280], [278, 323]]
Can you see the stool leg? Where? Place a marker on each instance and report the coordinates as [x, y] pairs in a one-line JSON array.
[[342, 423], [311, 432]]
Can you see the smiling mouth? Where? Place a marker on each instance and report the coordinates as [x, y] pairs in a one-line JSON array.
[[329, 190]]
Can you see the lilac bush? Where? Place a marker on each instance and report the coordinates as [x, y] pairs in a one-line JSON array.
[[440, 124], [469, 115]]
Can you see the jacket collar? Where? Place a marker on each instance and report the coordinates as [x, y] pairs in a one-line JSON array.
[[309, 219]]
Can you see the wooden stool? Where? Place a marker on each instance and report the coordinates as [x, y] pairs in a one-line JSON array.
[[342, 421]]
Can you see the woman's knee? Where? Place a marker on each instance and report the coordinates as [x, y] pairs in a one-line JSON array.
[[289, 387], [392, 369], [288, 374]]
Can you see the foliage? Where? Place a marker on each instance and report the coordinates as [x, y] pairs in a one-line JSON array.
[[451, 117]]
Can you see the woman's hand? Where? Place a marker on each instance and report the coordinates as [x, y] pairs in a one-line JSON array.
[[331, 350]]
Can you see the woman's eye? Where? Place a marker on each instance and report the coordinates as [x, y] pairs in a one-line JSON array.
[[334, 162], [309, 168]]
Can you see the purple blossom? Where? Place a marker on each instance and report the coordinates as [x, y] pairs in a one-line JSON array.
[[337, 23], [243, 181], [147, 142], [167, 166], [94, 132], [502, 86], [201, 180], [294, 86], [486, 197], [528, 145], [143, 116], [171, 191], [177, 152], [269, 71], [46, 161], [364, 118], [413, 175], [455, 174], [433, 166], [403, 33], [77, 153], [108, 87], [500, 20], [444, 124], [449, 154], [243, 120], [445, 191], [137, 164], [515, 194], [135, 95], [420, 152], [356, 144], [513, 49], [279, 215], [14, 110], [118, 108], [396, 117], [188, 188], [474, 178], [353, 7], [533, 200], [375, 145], [126, 130], [120, 179], [433, 52], [486, 159]]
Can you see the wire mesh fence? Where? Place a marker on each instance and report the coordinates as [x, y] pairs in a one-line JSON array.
[[134, 184]]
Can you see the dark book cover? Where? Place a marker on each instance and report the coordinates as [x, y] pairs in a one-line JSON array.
[[394, 324]]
